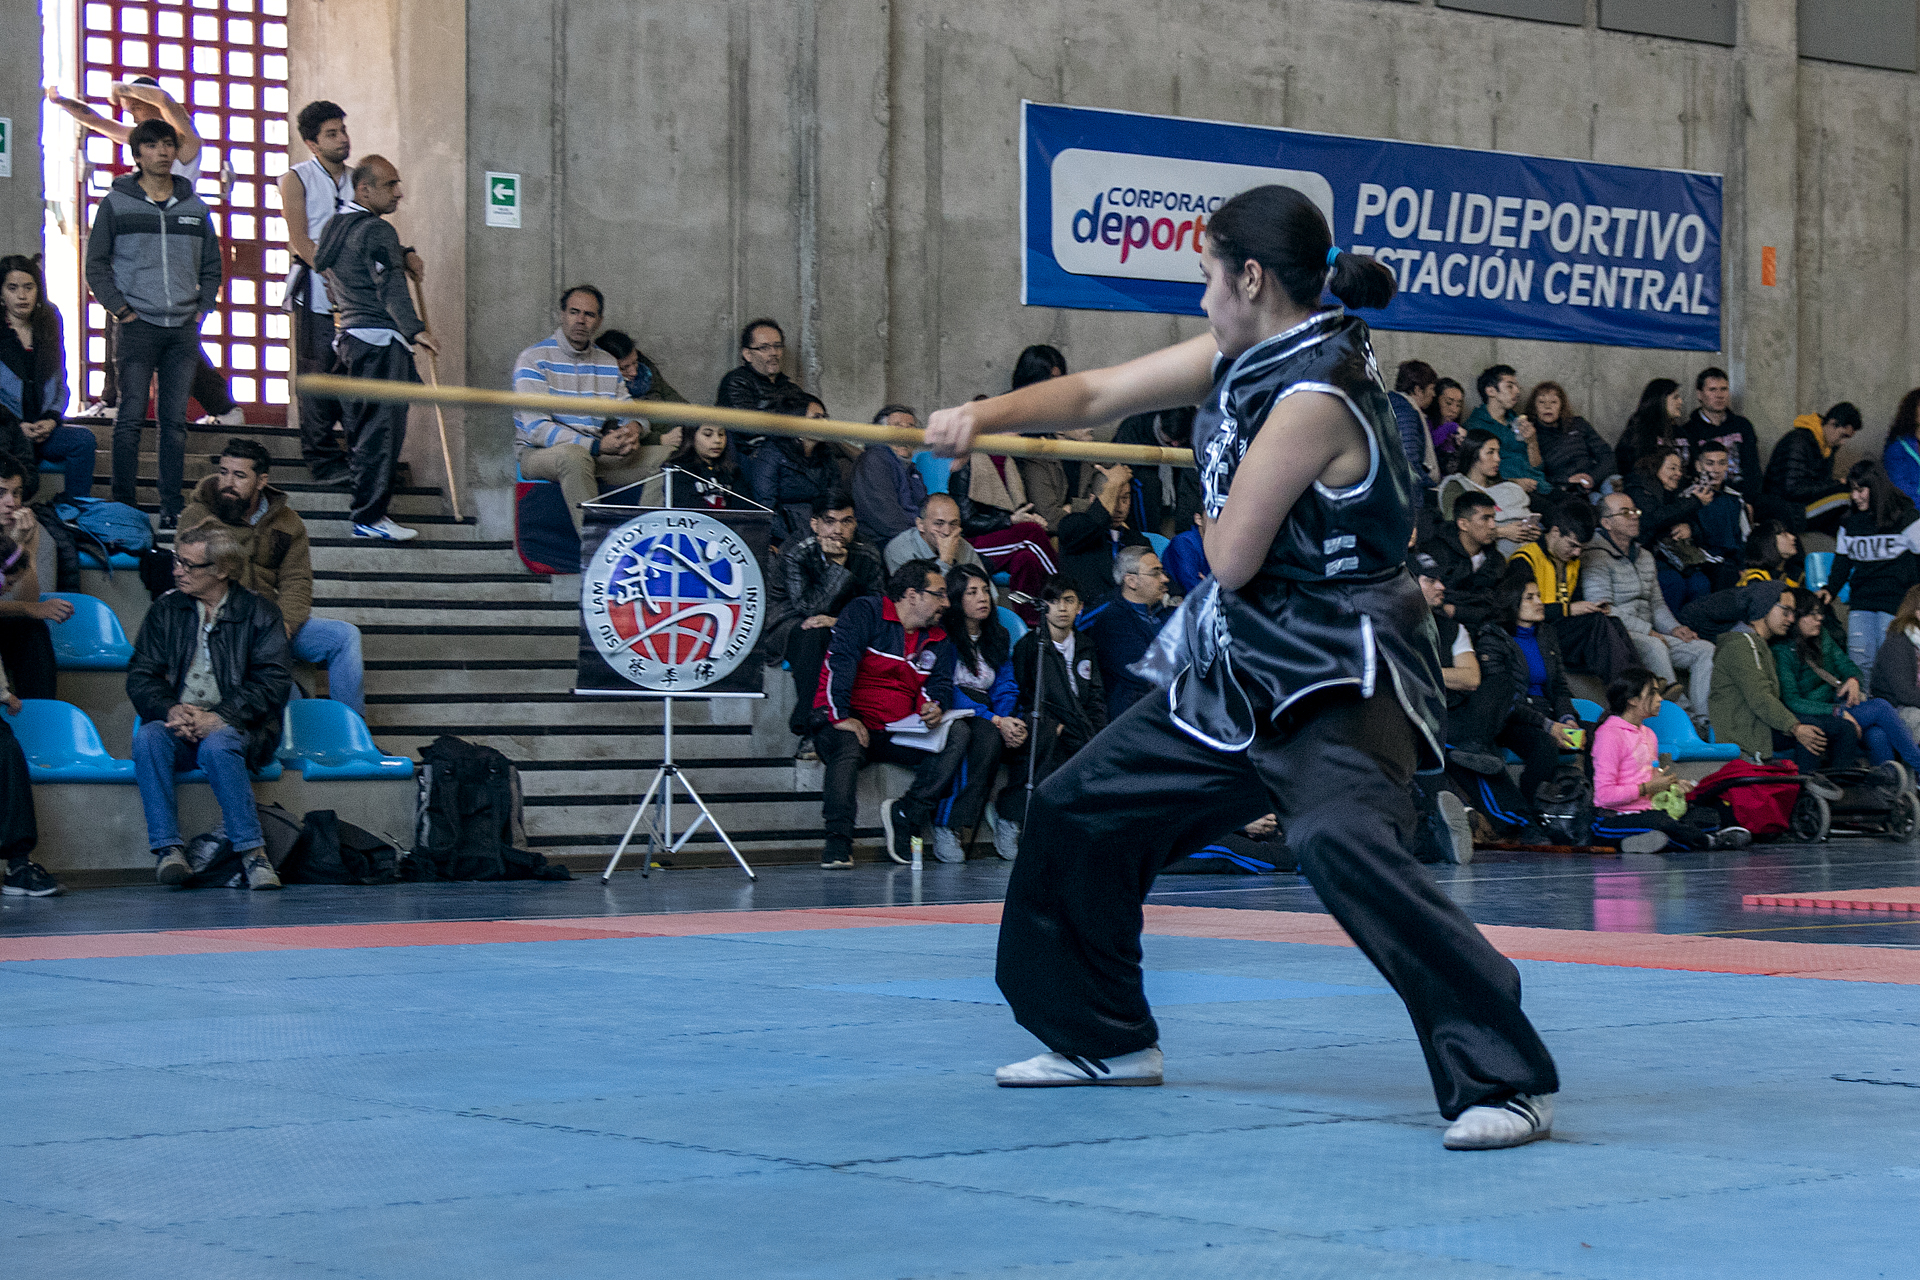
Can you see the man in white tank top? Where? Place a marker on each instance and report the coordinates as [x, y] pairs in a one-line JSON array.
[[144, 99], [316, 188]]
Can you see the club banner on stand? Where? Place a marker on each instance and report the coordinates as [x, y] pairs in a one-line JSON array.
[[672, 602], [1114, 206]]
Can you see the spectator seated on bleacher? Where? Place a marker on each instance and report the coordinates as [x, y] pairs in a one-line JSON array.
[[576, 450], [209, 680], [880, 671], [1747, 708], [1800, 470], [1186, 558], [1072, 706], [1817, 678], [1125, 623], [1522, 704], [788, 474], [1627, 775], [999, 521], [1092, 537], [888, 489], [975, 662], [1466, 562], [1591, 639], [935, 536], [19, 832], [1616, 569], [812, 580], [26, 643], [278, 562]]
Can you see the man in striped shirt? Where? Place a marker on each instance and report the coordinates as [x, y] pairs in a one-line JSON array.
[[577, 450]]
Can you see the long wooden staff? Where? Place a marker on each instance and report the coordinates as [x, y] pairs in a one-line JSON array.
[[775, 424], [433, 380]]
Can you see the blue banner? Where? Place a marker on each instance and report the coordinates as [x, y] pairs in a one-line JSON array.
[[1114, 206]]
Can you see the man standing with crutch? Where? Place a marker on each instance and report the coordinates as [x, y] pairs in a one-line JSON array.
[[366, 269]]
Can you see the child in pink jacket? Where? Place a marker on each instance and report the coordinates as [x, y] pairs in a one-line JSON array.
[[1627, 775]]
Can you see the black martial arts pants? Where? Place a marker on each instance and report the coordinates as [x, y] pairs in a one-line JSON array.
[[26, 652], [1336, 770], [376, 430]]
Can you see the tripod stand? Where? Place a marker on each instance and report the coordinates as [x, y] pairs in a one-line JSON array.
[[660, 837]]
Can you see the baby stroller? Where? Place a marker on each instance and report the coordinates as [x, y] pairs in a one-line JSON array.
[[1775, 799]]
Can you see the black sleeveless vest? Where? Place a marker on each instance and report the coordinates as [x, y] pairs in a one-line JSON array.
[[1333, 604]]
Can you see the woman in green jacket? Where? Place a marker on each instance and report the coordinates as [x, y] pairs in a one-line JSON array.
[[1818, 679]]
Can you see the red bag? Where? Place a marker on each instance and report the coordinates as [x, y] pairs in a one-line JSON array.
[[1757, 802]]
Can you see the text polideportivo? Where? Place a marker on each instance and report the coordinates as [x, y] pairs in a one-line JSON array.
[[1511, 222]]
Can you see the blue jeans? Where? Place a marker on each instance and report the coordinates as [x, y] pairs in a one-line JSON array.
[[157, 754], [1680, 590], [1882, 734], [73, 448], [144, 351], [337, 644], [1865, 631]]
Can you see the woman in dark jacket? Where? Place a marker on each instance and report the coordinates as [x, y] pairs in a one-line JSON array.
[[1817, 679], [790, 473], [1523, 705], [1874, 558], [977, 656], [1655, 424], [1657, 486], [33, 382], [709, 476]]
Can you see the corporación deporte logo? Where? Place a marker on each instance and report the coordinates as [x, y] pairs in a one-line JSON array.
[[673, 600]]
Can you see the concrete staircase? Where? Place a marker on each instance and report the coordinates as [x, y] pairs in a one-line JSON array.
[[460, 639]]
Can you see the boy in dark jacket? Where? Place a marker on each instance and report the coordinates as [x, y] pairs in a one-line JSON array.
[[1800, 472], [208, 679], [879, 671], [813, 579], [1064, 677], [153, 263]]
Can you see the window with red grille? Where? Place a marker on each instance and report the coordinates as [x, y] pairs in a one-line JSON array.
[[225, 61]]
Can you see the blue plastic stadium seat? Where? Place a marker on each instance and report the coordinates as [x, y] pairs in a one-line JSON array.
[[267, 772], [1159, 541], [48, 464], [1016, 625], [1003, 579], [1819, 569], [327, 741], [92, 639], [1678, 736], [62, 744], [1589, 711], [933, 470], [119, 560]]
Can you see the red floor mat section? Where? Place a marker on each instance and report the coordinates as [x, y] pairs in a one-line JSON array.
[[1903, 899], [1625, 950]]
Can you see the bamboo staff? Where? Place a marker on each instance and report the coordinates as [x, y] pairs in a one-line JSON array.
[[433, 380], [774, 424]]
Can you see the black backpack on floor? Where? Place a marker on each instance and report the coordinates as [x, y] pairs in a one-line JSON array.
[[330, 851], [467, 819]]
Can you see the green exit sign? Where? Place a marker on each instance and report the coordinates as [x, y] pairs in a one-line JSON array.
[[503, 199]]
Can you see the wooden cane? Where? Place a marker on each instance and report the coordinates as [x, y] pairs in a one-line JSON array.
[[775, 424], [439, 413]]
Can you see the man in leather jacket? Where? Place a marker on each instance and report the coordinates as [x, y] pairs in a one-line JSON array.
[[812, 580], [209, 680]]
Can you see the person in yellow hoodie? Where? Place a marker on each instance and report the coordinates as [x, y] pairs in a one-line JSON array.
[[1800, 472], [1591, 639]]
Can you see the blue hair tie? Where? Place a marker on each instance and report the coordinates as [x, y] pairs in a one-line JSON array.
[[1333, 256]]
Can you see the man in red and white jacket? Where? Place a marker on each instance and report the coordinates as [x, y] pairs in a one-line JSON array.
[[879, 670]]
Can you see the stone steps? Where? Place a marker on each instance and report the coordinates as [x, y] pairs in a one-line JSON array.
[[503, 588]]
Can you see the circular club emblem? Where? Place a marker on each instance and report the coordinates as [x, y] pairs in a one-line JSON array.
[[673, 600]]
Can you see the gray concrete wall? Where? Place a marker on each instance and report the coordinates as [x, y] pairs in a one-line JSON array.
[[850, 167], [21, 199]]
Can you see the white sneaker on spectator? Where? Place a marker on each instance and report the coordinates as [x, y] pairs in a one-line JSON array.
[[98, 409], [234, 417], [1517, 1121], [1459, 823], [1645, 842], [1006, 835], [946, 845], [1060, 1070], [387, 529]]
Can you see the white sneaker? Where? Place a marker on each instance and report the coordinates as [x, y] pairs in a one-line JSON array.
[[1645, 842], [1459, 828], [946, 846], [234, 417], [1059, 1070], [385, 529], [98, 409], [1006, 835], [1513, 1123]]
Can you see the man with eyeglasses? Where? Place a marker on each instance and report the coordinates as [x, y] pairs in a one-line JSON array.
[[880, 671], [1615, 569], [757, 380], [208, 680], [811, 581], [1123, 627]]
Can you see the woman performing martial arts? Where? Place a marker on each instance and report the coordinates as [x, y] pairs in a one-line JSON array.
[[1309, 685]]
